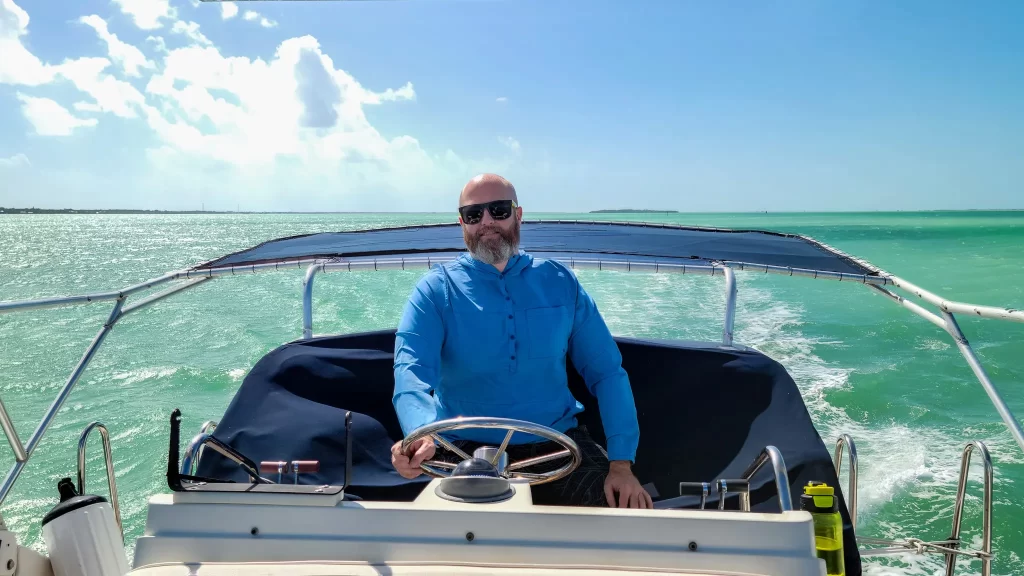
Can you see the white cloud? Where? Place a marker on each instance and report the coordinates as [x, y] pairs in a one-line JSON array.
[[510, 143], [17, 64], [291, 128], [110, 94], [147, 13], [296, 105], [158, 43], [191, 29], [390, 95], [228, 10], [501, 99], [254, 15], [50, 118], [16, 161], [130, 58]]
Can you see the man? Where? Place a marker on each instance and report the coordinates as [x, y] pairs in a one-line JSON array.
[[488, 334]]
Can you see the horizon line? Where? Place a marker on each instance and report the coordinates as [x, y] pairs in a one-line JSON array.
[[141, 211]]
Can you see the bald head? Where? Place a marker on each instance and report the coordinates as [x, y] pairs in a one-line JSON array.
[[487, 188]]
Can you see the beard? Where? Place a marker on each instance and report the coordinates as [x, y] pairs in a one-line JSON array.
[[493, 249]]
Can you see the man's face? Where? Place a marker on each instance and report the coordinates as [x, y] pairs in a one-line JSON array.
[[492, 241]]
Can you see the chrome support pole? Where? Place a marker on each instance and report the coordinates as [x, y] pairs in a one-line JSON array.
[[965, 348], [163, 294], [86, 298], [771, 453], [847, 440], [109, 461], [307, 300], [730, 305], [912, 306], [961, 493], [58, 402], [952, 307], [12, 435]]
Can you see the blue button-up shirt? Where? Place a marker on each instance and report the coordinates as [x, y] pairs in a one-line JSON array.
[[490, 343]]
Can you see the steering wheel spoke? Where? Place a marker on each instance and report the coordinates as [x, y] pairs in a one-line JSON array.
[[443, 442], [437, 467], [501, 450], [520, 464], [527, 476]]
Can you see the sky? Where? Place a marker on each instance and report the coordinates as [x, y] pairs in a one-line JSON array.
[[583, 105]]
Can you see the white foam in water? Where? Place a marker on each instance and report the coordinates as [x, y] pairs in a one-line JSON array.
[[918, 465], [896, 460]]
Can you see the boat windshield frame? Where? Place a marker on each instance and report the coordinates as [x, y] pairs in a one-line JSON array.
[[142, 296]]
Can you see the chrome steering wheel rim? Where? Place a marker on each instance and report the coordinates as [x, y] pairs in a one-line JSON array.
[[437, 469]]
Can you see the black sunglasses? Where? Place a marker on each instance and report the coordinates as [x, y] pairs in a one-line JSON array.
[[499, 209]]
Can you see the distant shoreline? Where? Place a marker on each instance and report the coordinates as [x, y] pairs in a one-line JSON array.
[[112, 211]]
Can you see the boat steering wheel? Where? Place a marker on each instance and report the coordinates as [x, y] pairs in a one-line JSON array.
[[439, 469]]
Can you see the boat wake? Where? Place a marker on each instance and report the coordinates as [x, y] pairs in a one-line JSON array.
[[908, 473]]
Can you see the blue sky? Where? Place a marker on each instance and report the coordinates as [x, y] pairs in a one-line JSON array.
[[691, 106]]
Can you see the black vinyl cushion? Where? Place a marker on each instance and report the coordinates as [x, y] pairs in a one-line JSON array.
[[705, 412]]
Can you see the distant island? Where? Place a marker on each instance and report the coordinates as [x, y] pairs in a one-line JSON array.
[[4, 210], [634, 211]]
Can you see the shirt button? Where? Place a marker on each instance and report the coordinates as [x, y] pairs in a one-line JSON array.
[[513, 337], [507, 298], [513, 357], [509, 316]]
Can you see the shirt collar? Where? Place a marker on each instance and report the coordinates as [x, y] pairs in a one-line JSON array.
[[516, 263]]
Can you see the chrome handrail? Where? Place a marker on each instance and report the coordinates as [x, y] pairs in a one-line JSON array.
[[770, 453], [205, 438], [208, 427], [847, 440], [961, 493], [108, 459], [192, 452]]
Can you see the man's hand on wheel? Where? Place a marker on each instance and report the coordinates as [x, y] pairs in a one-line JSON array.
[[622, 483], [408, 464]]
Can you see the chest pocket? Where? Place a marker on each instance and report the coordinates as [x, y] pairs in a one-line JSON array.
[[548, 330]]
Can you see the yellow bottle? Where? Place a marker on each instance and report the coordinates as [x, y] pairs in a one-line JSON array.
[[819, 499]]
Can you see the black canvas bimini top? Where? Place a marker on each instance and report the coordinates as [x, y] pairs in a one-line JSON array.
[[637, 242]]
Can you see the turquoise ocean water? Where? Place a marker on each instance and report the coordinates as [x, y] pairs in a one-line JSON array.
[[865, 366]]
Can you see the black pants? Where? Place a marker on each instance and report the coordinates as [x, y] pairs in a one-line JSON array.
[[584, 486]]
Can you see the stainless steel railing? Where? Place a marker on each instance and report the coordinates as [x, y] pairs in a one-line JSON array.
[[851, 496], [108, 459], [958, 509]]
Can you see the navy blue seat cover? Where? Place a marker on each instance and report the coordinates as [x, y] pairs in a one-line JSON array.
[[705, 412]]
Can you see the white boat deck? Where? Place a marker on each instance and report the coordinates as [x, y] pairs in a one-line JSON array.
[[221, 534]]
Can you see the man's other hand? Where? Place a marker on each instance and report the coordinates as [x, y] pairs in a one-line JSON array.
[[408, 464], [623, 490]]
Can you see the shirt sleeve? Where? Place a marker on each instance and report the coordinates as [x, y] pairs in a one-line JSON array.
[[596, 357], [417, 358]]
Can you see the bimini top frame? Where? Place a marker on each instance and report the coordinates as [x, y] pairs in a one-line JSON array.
[[628, 247]]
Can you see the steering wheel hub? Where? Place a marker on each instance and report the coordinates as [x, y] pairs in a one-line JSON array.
[[475, 480]]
